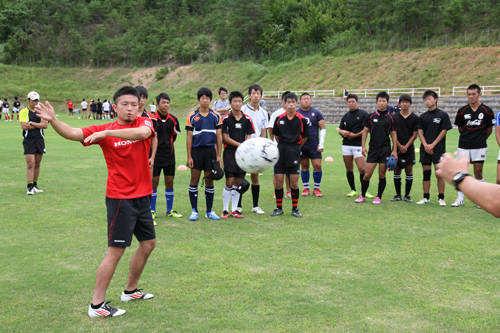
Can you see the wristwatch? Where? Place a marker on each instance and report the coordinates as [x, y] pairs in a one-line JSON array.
[[31, 123], [459, 177]]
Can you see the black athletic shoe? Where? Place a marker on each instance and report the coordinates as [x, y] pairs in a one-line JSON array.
[[276, 212], [397, 198], [296, 213], [408, 199]]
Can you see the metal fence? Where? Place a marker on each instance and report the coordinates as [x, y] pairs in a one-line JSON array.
[[393, 91], [313, 93], [485, 90]]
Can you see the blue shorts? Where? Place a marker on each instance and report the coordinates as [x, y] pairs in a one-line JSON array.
[[313, 154]]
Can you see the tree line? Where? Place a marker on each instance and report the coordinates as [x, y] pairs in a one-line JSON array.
[[116, 31]]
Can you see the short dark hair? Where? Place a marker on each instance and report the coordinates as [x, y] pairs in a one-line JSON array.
[[83, 99], [474, 86], [428, 93], [162, 96], [235, 94], [405, 97], [15, 97], [204, 92], [291, 95], [349, 96], [127, 90], [382, 94], [305, 94], [284, 94], [222, 89], [142, 91], [255, 87]]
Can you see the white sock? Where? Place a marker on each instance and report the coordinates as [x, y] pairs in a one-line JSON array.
[[226, 197], [461, 195], [235, 196]]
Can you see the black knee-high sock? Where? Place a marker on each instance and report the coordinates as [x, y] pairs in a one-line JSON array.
[[279, 198], [350, 180], [409, 183], [295, 197], [397, 184], [255, 195], [381, 187], [364, 186], [361, 176], [239, 201]]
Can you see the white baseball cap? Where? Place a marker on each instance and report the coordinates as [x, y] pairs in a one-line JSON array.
[[33, 96]]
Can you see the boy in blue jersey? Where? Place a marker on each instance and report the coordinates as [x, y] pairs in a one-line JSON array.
[[313, 147], [204, 144]]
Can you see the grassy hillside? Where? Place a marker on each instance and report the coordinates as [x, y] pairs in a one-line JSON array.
[[445, 68]]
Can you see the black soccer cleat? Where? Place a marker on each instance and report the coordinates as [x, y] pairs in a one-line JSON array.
[[296, 213], [397, 198], [276, 212]]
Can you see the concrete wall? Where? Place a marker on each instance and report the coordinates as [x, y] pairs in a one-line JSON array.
[[334, 108]]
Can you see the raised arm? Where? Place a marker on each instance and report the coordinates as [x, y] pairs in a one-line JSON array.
[[47, 112]]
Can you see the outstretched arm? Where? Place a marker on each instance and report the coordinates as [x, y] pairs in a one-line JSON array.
[[483, 194], [47, 112]]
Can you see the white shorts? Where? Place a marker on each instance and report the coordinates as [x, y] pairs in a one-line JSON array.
[[474, 155], [15, 110], [5, 110], [352, 151]]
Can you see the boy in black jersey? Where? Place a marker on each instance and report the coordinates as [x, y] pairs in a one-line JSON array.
[[475, 124], [236, 128], [351, 129], [291, 131], [167, 128], [432, 128], [381, 125], [143, 92], [406, 130], [16, 107]]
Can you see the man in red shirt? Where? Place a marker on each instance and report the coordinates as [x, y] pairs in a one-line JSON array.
[[125, 144], [70, 107]]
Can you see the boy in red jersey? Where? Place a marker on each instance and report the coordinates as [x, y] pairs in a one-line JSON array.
[[70, 107], [125, 144]]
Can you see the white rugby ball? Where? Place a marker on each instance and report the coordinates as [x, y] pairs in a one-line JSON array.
[[257, 155]]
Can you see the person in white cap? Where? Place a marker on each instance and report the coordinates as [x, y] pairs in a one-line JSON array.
[[34, 143]]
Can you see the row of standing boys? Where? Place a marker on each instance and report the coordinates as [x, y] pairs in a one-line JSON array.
[[474, 122]]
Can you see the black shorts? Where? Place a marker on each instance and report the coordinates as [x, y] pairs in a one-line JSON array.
[[289, 161], [99, 112], [34, 146], [127, 217], [70, 110], [313, 154], [167, 170], [378, 155], [231, 168], [427, 159], [406, 159], [202, 157], [83, 110]]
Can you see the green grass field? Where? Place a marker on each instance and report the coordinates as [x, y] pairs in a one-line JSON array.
[[343, 267]]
